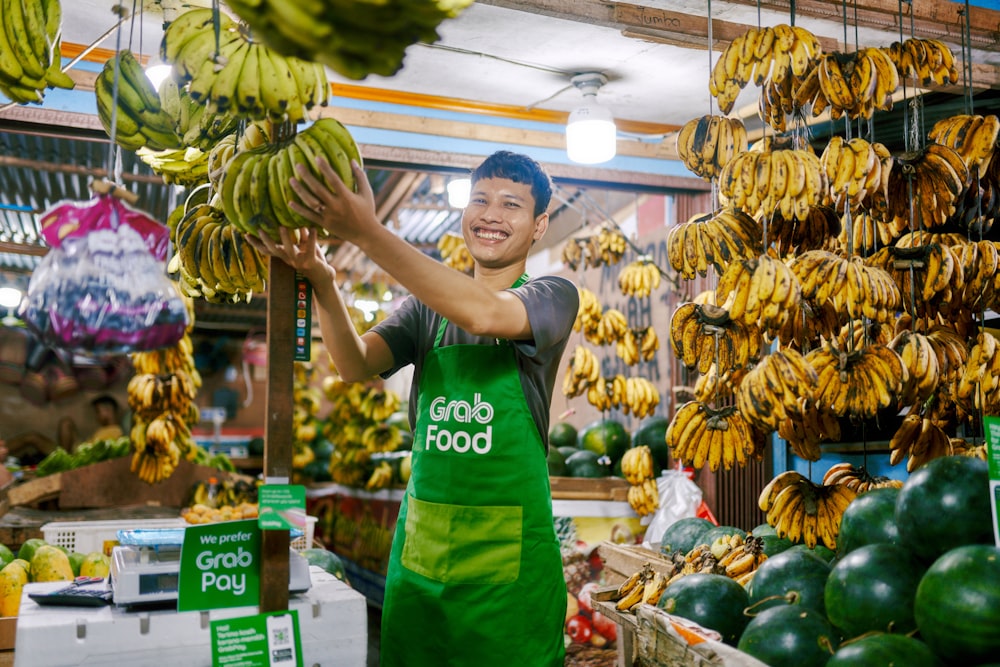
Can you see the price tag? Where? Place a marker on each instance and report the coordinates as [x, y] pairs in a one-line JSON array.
[[264, 640], [220, 566], [281, 507], [303, 319]]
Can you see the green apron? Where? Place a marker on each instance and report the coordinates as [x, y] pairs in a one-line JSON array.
[[475, 576]]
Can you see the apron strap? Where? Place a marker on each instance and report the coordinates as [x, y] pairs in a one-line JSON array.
[[444, 320]]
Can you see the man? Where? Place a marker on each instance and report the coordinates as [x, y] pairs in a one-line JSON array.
[[475, 575], [108, 415]]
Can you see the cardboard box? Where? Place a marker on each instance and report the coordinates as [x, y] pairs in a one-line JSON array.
[[8, 633]]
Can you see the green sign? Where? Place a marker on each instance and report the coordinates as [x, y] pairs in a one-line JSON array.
[[281, 507], [991, 430], [303, 318], [264, 640], [220, 566]]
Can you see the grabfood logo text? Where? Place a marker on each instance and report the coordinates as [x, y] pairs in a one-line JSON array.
[[466, 426]]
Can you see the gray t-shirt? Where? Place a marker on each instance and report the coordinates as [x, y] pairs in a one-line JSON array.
[[552, 303]]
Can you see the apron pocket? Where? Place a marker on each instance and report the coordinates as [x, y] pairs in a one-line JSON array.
[[463, 544]]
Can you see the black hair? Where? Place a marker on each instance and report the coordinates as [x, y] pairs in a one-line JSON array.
[[105, 399], [520, 169]]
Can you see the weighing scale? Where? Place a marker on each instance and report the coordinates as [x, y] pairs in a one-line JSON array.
[[145, 567]]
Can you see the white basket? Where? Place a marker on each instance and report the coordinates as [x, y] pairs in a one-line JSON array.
[[305, 540], [88, 536]]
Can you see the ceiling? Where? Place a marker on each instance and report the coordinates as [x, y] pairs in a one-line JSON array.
[[511, 60]]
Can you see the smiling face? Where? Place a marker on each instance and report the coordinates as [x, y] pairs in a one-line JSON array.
[[499, 223]]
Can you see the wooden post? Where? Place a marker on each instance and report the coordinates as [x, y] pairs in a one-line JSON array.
[[278, 427]]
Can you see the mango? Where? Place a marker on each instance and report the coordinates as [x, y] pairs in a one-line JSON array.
[[50, 564], [29, 547], [95, 564], [12, 580]]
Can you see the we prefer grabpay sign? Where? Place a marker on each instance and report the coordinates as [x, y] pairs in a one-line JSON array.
[[219, 566]]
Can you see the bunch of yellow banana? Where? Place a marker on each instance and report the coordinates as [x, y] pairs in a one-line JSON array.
[[252, 135], [858, 480], [152, 395], [381, 477], [645, 586], [637, 464], [963, 447], [255, 188], [187, 167], [771, 391], [30, 47], [641, 397], [919, 438], [589, 316], [355, 38], [973, 137], [712, 240], [761, 55], [713, 387], [613, 326], [644, 498], [134, 117], [805, 434], [853, 169], [699, 434], [228, 73], [706, 144], [776, 103], [789, 236], [179, 357], [921, 361], [350, 466], [743, 558], [858, 383], [863, 233], [573, 253], [808, 324], [803, 511], [159, 445], [377, 405], [853, 288], [213, 258], [857, 333], [607, 245], [698, 560], [925, 60], [857, 84], [762, 291], [648, 342], [455, 253], [951, 350], [381, 437], [705, 335], [582, 371], [930, 276], [639, 278], [931, 181], [979, 261], [599, 394], [761, 182], [627, 348], [979, 384]]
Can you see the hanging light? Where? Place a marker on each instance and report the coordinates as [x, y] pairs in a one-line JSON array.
[[157, 74], [591, 136], [458, 192], [10, 297]]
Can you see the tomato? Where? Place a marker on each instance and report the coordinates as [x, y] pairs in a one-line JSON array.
[[584, 596], [604, 626], [580, 629]]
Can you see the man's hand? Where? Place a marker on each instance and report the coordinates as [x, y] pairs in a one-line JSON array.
[[304, 255], [331, 205]]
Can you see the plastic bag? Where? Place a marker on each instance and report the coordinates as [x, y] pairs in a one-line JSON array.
[[679, 499], [102, 291]]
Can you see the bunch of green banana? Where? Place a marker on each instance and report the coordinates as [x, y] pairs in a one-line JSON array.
[[253, 135], [255, 189], [213, 259], [30, 47], [229, 73], [355, 38], [178, 166], [196, 127], [132, 115]]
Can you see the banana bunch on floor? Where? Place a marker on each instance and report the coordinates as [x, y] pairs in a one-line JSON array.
[[858, 480], [698, 560], [134, 118], [973, 137], [853, 170], [645, 586], [712, 240], [933, 179], [703, 336], [979, 385], [762, 291], [355, 38], [159, 445], [30, 48], [151, 395], [761, 182], [639, 278], [858, 383], [804, 435], [777, 388], [919, 439], [644, 497], [234, 74], [925, 60], [743, 557], [255, 189], [790, 236], [637, 464], [761, 55], [455, 253], [929, 276], [378, 405], [856, 84], [699, 434], [920, 359], [213, 258], [582, 371], [589, 317], [803, 511], [706, 144], [197, 127], [853, 288]]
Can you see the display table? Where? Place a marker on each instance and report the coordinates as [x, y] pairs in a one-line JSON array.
[[333, 624]]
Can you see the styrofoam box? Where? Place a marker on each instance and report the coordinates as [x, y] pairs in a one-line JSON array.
[[333, 625]]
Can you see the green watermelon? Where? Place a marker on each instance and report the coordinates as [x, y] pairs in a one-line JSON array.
[[957, 605], [562, 434], [789, 636], [713, 601], [763, 529], [568, 451], [326, 559], [870, 518], [605, 437], [881, 649], [585, 463], [774, 545], [793, 576], [652, 432], [556, 462], [819, 550], [684, 534]]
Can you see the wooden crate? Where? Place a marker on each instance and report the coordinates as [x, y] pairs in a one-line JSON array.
[[589, 488], [621, 560]]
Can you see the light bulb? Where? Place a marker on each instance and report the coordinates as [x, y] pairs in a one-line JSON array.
[[10, 297], [591, 136], [458, 192], [157, 74]]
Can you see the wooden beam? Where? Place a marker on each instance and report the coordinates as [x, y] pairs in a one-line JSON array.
[[63, 168]]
